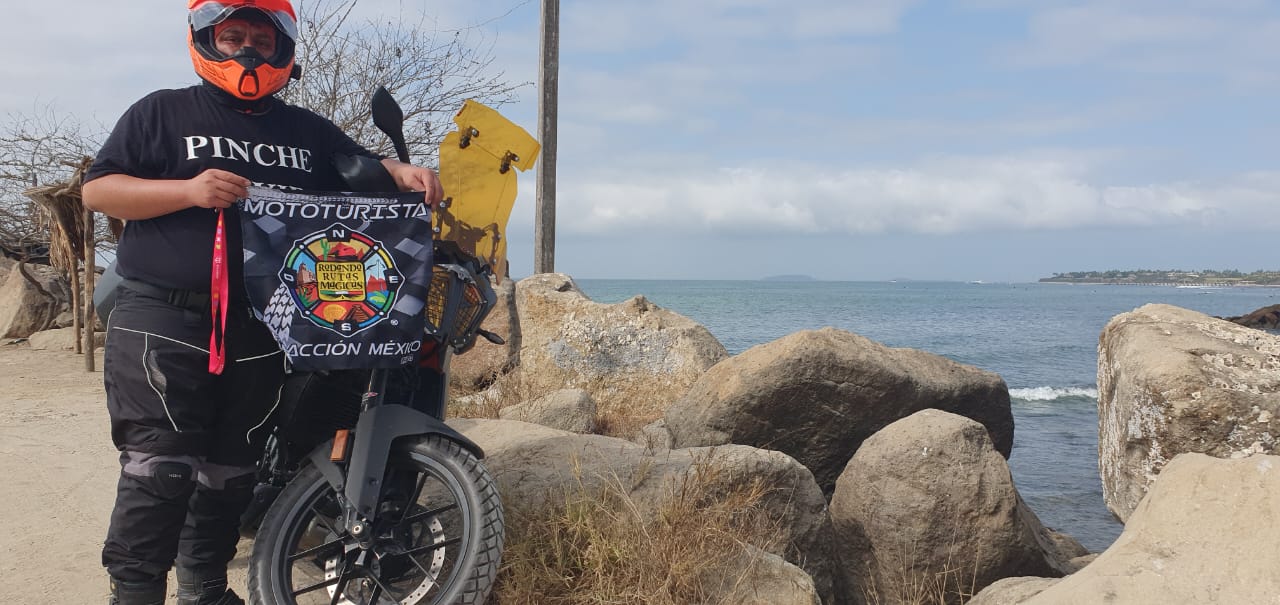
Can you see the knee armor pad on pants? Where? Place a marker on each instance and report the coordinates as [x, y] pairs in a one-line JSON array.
[[168, 477], [172, 479]]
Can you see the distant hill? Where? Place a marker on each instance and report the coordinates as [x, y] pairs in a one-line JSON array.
[[1229, 277], [789, 278]]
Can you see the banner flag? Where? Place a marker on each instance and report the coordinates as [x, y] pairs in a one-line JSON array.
[[340, 279]]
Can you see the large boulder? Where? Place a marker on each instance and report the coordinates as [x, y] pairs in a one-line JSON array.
[[817, 394], [1172, 381], [1205, 533], [24, 310], [63, 339], [634, 357], [485, 362], [1266, 318], [570, 410], [770, 580], [533, 464], [928, 501], [1012, 591]]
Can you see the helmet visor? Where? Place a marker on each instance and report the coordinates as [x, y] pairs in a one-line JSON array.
[[211, 13]]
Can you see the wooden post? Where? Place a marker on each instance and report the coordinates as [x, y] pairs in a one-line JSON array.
[[544, 226], [76, 296], [90, 271]]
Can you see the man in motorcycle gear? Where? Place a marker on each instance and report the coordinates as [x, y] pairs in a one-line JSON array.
[[247, 53], [173, 167]]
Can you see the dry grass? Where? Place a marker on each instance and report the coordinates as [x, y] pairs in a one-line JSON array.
[[594, 544], [905, 575], [908, 585], [623, 406]]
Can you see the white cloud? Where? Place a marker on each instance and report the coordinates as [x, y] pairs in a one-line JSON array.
[[939, 196], [94, 59], [694, 78], [91, 59], [616, 27], [1230, 40]]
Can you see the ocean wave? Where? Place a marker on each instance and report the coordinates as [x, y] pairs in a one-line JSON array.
[[1051, 393]]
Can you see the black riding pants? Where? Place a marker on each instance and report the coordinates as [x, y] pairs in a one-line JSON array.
[[189, 440]]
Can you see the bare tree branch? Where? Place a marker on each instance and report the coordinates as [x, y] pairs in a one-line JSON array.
[[38, 149], [430, 72]]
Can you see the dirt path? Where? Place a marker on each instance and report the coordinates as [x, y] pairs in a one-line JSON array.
[[58, 471]]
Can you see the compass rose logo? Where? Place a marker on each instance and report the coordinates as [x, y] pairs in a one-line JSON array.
[[341, 279]]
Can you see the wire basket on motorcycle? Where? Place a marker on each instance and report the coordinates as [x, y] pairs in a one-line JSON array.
[[459, 298]]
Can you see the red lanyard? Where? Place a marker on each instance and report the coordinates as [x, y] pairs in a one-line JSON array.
[[218, 294]]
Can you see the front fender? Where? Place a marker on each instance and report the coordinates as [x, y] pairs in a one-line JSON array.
[[375, 431]]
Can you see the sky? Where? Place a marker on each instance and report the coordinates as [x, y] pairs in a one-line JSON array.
[[994, 140]]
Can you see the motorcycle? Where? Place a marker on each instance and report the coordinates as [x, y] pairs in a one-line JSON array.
[[396, 507], [365, 496]]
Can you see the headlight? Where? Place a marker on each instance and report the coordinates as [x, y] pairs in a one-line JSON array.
[[438, 298], [456, 304]]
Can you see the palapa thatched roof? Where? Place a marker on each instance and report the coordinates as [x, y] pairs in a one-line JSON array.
[[64, 209]]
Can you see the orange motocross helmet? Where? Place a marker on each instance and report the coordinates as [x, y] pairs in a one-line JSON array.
[[247, 74]]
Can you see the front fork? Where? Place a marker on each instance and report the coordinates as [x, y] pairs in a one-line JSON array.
[[358, 482]]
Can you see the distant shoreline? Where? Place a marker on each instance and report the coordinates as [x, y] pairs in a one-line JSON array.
[[1163, 284], [1207, 278]]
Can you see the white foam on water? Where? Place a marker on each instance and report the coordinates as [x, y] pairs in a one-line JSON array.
[[1051, 393]]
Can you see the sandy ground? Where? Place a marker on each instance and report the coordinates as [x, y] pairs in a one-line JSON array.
[[59, 473]]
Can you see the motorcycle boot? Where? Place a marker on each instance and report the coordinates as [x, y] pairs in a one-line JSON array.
[[198, 586], [137, 593]]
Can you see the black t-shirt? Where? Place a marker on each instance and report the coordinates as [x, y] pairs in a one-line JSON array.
[[177, 134]]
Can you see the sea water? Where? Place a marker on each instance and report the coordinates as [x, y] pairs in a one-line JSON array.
[[1041, 338]]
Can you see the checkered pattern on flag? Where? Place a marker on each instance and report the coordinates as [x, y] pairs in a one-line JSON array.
[[340, 279]]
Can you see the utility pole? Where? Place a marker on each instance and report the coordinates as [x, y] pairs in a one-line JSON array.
[[544, 228]]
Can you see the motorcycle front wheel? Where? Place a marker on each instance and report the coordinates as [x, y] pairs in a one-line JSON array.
[[439, 535]]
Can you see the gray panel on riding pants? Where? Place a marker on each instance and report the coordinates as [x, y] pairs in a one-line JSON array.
[[208, 474]]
